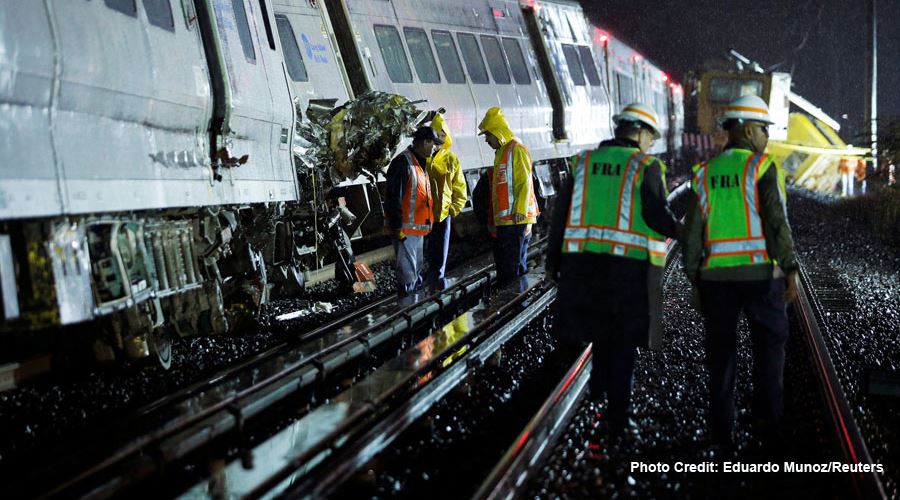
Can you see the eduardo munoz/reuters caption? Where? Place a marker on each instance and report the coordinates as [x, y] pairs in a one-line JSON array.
[[755, 467]]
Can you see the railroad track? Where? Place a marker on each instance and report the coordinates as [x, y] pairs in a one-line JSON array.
[[526, 455], [194, 418], [817, 295], [339, 437]]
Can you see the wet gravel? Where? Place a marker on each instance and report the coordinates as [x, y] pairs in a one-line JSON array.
[[453, 447], [669, 406], [35, 417], [861, 275]]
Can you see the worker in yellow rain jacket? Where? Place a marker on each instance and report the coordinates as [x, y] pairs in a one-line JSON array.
[[739, 254], [513, 201], [448, 189]]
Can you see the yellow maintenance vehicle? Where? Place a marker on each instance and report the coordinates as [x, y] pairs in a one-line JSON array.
[[805, 141]]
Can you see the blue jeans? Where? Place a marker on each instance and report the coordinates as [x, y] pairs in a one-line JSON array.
[[512, 252], [409, 264], [437, 244]]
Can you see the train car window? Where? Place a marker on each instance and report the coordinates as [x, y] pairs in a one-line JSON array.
[[392, 52], [495, 59], [625, 85], [127, 7], [243, 27], [447, 55], [423, 58], [292, 56], [590, 66], [575, 69], [660, 104], [159, 13], [270, 37], [516, 61], [472, 57]]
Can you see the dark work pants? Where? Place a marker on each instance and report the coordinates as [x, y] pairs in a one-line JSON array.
[[763, 303], [603, 299], [437, 244], [512, 252]]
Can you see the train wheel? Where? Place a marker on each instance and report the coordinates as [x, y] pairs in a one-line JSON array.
[[160, 341]]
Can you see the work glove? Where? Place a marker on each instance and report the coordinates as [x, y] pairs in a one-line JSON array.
[[401, 235], [527, 229], [518, 218]]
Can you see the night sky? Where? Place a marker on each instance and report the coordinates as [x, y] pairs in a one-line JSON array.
[[822, 43]]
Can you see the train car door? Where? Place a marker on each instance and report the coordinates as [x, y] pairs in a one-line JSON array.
[[256, 107], [315, 68]]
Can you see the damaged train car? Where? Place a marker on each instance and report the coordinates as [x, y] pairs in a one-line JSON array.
[[154, 179]]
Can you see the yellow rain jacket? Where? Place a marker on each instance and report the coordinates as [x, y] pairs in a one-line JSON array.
[[522, 196], [448, 186]]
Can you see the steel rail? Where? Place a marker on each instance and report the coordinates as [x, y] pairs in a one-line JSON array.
[[850, 439], [364, 437], [276, 386], [529, 450], [143, 455], [527, 453]]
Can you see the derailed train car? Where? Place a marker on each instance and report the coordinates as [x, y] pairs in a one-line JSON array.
[[147, 186]]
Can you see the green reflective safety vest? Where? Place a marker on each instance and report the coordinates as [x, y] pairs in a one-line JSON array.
[[727, 187], [605, 211]]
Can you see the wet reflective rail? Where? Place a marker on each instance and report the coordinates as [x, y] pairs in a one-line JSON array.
[[812, 305], [314, 455], [192, 419], [529, 450]]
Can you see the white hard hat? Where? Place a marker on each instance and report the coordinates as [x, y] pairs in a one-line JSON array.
[[637, 112], [746, 108]]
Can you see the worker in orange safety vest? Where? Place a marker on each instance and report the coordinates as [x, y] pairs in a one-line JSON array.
[[408, 210], [861, 175], [513, 202], [846, 168]]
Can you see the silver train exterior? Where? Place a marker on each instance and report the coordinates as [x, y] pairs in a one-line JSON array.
[[146, 177]]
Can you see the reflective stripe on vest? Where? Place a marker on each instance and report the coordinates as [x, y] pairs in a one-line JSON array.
[[409, 223], [754, 243], [504, 186], [605, 235], [505, 167]]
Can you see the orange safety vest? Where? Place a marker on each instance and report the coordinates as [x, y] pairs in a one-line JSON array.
[[416, 201], [860, 170], [504, 187], [844, 166]]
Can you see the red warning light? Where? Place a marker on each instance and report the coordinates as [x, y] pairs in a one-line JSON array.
[[665, 77], [604, 38], [497, 12], [637, 57]]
